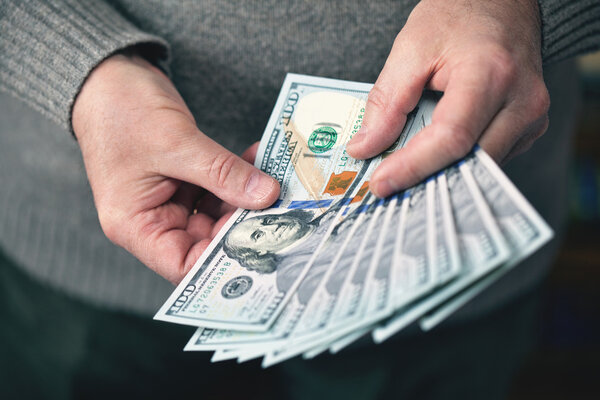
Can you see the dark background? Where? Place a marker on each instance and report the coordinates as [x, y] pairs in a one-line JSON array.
[[566, 362]]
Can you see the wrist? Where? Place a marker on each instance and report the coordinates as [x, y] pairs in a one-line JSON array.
[[95, 99]]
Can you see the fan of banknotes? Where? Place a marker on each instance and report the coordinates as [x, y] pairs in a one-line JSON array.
[[329, 263]]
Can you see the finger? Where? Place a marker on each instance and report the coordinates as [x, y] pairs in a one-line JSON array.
[[519, 124], [526, 141], [250, 154], [392, 98], [472, 98], [220, 222], [200, 226], [215, 207], [509, 136], [169, 241], [159, 239], [203, 162], [194, 253]]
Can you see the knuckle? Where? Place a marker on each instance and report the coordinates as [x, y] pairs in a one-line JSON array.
[[378, 98], [220, 168], [399, 40], [541, 128], [522, 147], [109, 225], [540, 103], [504, 66], [459, 142], [405, 44], [545, 125]]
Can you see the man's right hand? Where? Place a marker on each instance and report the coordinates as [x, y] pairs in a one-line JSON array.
[[149, 165]]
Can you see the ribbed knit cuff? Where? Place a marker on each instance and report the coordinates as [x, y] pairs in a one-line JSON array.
[[569, 28], [49, 47]]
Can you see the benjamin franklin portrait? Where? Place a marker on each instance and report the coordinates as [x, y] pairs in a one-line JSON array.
[[261, 243]]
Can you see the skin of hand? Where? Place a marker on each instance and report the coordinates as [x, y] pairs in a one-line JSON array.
[[486, 58], [150, 167]]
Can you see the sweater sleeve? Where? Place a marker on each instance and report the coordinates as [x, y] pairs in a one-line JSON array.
[[49, 47], [569, 28]]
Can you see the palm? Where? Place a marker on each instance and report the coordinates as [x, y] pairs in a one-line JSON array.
[[184, 218]]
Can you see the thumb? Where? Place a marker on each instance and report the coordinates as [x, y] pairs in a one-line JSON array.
[[205, 163], [394, 95]]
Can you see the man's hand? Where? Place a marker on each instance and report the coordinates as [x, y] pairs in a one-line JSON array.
[[150, 167], [485, 56]]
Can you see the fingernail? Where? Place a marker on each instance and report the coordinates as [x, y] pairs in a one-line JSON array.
[[383, 188], [259, 186], [358, 137]]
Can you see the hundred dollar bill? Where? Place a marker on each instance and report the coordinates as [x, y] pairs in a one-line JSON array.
[[276, 351], [303, 305], [242, 341], [318, 270], [358, 270], [312, 325], [346, 305], [282, 328], [247, 346], [482, 245], [414, 274], [223, 355], [443, 249], [389, 271], [371, 299], [446, 253], [304, 143], [413, 255], [521, 225], [411, 252], [244, 278], [248, 343], [443, 245], [285, 325], [315, 351]]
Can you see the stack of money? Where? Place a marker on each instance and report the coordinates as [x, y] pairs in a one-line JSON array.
[[329, 262]]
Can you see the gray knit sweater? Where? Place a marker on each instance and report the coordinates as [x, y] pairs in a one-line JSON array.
[[228, 59]]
